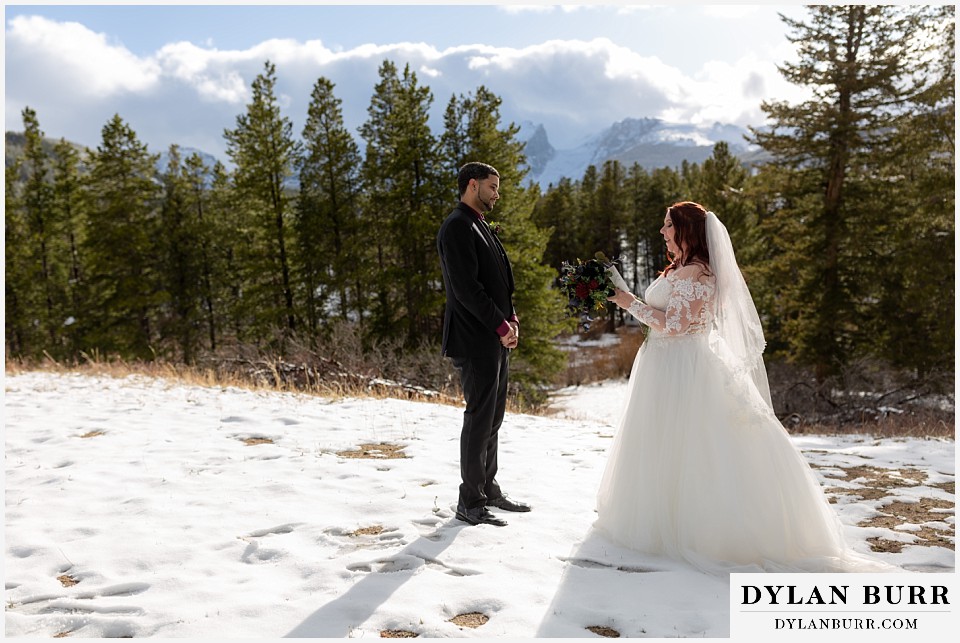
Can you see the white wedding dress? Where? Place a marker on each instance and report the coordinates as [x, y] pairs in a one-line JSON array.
[[700, 468]]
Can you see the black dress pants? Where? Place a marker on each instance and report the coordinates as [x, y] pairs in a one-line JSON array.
[[484, 382]]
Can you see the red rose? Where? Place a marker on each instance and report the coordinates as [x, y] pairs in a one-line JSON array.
[[583, 291], [594, 284]]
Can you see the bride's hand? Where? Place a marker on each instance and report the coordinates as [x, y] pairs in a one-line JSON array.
[[622, 298]]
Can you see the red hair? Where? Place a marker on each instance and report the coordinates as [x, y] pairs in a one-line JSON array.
[[690, 225]]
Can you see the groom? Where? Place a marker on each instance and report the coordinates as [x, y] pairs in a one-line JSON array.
[[480, 327]]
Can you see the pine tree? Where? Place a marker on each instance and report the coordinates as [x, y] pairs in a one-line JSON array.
[[691, 177], [611, 215], [556, 213], [233, 260], [664, 188], [403, 206], [606, 225], [772, 266], [121, 245], [17, 327], [41, 225], [332, 248], [455, 139], [196, 177], [180, 256], [721, 188], [914, 321], [856, 60], [474, 127], [264, 152], [588, 210], [637, 244], [68, 203]]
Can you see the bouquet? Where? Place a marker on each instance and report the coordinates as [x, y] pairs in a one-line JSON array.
[[587, 284]]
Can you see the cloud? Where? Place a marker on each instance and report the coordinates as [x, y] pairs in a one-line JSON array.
[[79, 60], [731, 11], [627, 9], [188, 94], [209, 72], [514, 9], [573, 84], [526, 8]]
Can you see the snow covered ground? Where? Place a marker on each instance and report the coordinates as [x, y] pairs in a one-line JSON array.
[[136, 507]]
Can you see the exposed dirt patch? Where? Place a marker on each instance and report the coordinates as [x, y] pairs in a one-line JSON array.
[[252, 441], [470, 619], [600, 630], [885, 546], [398, 634], [926, 537], [877, 483], [949, 487], [92, 434], [374, 530], [67, 580], [381, 451], [61, 635], [884, 478], [926, 510], [918, 513]]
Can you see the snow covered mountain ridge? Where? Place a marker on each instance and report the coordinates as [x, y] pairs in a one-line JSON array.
[[651, 142]]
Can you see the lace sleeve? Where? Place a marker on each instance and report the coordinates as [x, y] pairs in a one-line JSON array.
[[685, 307]]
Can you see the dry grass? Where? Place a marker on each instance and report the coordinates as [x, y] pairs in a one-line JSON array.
[[67, 581], [268, 377], [253, 441], [915, 513], [374, 530], [252, 374], [596, 363], [608, 632], [919, 423], [381, 451], [865, 398], [398, 634], [949, 487], [586, 364], [470, 619], [877, 483]]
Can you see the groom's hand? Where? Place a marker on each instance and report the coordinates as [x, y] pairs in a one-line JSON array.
[[511, 339]]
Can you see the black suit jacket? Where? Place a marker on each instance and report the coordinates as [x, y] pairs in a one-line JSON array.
[[478, 281]]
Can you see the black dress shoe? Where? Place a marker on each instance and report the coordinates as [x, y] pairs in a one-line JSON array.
[[479, 516], [507, 505]]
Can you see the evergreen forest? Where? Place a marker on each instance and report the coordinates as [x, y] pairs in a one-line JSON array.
[[318, 247]]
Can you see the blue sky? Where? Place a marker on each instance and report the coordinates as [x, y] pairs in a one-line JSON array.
[[648, 29], [181, 73]]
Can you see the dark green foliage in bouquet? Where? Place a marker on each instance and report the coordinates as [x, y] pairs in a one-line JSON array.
[[587, 286]]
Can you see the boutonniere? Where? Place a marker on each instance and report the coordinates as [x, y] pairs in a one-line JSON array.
[[495, 228]]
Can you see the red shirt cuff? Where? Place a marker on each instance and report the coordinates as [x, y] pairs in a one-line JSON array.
[[503, 329]]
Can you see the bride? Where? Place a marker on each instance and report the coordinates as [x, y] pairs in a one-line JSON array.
[[701, 469]]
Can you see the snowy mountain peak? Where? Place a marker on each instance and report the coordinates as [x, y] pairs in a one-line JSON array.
[[650, 142], [539, 151]]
